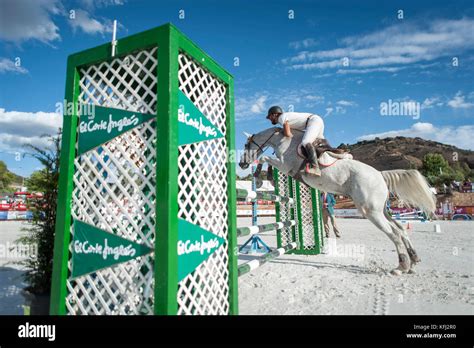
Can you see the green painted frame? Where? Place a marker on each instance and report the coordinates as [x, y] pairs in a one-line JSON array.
[[318, 218], [294, 188], [170, 42]]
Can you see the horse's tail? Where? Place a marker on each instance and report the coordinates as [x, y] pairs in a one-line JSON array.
[[411, 187]]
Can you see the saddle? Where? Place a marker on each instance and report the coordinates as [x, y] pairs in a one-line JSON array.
[[327, 155]]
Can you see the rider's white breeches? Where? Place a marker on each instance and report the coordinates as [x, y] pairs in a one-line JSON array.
[[314, 130]]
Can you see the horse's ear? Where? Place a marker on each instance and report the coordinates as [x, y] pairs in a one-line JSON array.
[[247, 135]]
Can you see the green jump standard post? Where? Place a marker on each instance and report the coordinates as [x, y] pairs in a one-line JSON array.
[[147, 197]]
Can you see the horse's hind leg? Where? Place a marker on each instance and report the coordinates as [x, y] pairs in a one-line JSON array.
[[406, 240], [410, 249], [379, 220]]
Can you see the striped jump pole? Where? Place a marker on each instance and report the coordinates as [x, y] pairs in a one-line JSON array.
[[251, 265], [251, 230], [247, 194]]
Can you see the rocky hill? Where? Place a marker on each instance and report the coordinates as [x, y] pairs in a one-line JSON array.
[[404, 153]]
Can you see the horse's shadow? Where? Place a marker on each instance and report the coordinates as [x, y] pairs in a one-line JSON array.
[[320, 265]]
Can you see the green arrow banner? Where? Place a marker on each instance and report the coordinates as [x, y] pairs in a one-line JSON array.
[[195, 245], [106, 124], [94, 249], [193, 126]]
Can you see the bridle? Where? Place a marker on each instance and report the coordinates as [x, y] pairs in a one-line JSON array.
[[261, 148]]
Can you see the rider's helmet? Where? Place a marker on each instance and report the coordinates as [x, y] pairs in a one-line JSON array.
[[274, 110]]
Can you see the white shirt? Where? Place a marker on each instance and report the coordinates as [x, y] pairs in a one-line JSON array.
[[296, 120]]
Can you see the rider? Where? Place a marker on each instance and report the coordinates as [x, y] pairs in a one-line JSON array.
[[311, 124]]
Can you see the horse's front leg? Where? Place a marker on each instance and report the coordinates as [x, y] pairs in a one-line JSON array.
[[274, 162]]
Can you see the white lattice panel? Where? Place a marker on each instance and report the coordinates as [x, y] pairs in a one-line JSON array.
[[319, 218], [114, 187], [127, 82], [289, 212], [285, 209], [202, 193], [307, 214]]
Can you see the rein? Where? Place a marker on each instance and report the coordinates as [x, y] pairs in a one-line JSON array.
[[262, 147]]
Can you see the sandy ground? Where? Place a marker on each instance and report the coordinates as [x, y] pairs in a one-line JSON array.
[[353, 276], [11, 282]]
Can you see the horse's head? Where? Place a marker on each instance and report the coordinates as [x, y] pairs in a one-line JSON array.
[[256, 145]]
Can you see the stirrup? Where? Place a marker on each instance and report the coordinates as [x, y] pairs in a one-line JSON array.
[[311, 169]]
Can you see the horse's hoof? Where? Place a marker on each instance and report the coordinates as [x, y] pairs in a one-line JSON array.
[[411, 271], [396, 272]]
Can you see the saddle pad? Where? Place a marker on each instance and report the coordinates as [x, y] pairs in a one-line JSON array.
[[326, 159]]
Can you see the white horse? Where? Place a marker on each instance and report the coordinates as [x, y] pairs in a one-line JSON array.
[[368, 188]]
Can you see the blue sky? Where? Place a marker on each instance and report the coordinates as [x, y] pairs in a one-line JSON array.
[[338, 59]]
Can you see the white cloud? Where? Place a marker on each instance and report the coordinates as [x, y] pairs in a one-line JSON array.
[[460, 136], [370, 70], [22, 20], [430, 103], [321, 76], [85, 22], [393, 47], [346, 103], [314, 99], [91, 4], [458, 102], [7, 65], [249, 106], [329, 111], [306, 43], [302, 100], [259, 105], [18, 128], [321, 65]]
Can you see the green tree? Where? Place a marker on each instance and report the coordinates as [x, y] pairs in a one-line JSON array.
[[37, 181], [6, 178], [462, 171], [41, 231], [437, 170], [434, 164]]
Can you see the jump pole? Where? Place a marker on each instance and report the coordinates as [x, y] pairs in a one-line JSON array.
[[249, 231], [246, 194], [251, 265], [257, 245]]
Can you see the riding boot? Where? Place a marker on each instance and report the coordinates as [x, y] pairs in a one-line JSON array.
[[256, 174], [313, 159], [270, 175]]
